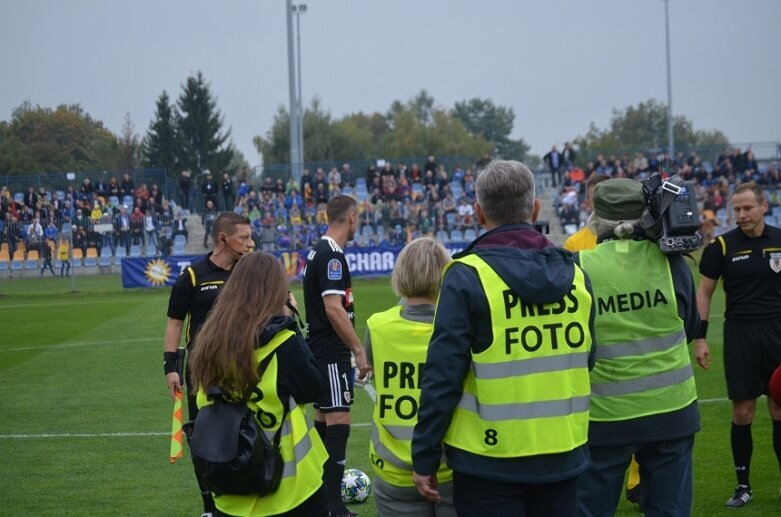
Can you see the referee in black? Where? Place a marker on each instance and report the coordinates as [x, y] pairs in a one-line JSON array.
[[192, 297], [748, 259], [330, 320]]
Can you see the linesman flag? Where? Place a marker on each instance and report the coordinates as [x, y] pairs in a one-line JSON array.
[[176, 421], [176, 429]]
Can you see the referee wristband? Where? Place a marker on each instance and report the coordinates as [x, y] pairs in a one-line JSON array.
[[169, 362], [702, 330]]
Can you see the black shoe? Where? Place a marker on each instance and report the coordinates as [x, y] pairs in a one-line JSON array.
[[741, 498]]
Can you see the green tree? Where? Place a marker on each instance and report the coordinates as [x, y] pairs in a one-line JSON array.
[[202, 143], [494, 123], [159, 144], [644, 127], [129, 146], [40, 140]]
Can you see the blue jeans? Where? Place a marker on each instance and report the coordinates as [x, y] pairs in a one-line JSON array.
[[665, 474]]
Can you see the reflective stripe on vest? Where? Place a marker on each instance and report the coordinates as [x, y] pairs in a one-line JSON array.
[[399, 348], [532, 381], [643, 366], [302, 449]]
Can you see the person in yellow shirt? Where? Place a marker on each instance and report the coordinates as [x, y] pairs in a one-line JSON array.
[[63, 253], [584, 239]]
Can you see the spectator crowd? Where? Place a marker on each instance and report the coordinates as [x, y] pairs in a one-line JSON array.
[[396, 203]]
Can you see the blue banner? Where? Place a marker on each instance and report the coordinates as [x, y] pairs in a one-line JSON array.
[[365, 261], [155, 271]]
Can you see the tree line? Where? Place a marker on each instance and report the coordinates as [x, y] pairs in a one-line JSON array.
[[190, 133]]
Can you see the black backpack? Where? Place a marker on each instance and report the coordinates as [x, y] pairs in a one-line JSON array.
[[230, 450]]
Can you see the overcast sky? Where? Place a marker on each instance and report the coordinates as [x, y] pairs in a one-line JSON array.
[[560, 64]]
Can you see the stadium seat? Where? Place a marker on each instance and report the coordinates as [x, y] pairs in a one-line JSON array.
[[32, 260], [450, 218], [119, 254], [456, 189], [180, 239], [708, 166], [347, 190], [4, 257], [443, 236], [178, 249], [151, 250], [113, 201], [128, 202], [360, 182], [105, 256], [91, 259], [19, 197], [77, 257], [470, 234], [417, 191], [135, 251], [456, 236]]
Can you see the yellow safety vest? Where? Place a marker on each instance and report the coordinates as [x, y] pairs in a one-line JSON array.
[[399, 348], [527, 394], [302, 449], [643, 366]]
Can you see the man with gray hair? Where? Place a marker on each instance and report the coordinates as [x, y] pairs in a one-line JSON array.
[[506, 385]]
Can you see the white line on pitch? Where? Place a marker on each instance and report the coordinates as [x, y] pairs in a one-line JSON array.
[[83, 343]]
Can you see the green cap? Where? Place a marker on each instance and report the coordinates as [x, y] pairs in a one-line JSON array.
[[619, 199]]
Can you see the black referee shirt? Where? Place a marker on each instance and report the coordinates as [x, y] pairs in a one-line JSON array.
[[326, 273], [194, 294], [751, 271]]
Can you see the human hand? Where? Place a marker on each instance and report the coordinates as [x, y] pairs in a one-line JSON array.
[[362, 365], [174, 384], [702, 353], [427, 486]]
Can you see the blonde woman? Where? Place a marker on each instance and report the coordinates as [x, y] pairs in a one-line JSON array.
[[396, 345]]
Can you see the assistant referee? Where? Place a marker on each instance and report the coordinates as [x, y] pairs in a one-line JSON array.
[[330, 319], [192, 297], [748, 259]]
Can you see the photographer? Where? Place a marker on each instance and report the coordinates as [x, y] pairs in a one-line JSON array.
[[643, 396]]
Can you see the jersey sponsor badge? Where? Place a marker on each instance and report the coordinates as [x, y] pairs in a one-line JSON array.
[[334, 269], [775, 262]]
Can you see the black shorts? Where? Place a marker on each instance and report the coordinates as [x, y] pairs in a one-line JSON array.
[[338, 395], [752, 352]]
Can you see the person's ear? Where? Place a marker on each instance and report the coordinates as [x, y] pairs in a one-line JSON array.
[[536, 211]]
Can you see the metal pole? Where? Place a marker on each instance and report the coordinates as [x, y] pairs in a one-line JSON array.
[[301, 8], [670, 141], [295, 161]]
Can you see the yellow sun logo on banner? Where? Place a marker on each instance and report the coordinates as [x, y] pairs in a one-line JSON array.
[[157, 272]]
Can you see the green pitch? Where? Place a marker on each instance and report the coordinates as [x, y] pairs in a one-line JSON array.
[[85, 416]]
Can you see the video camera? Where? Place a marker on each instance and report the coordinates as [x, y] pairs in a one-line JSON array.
[[672, 218]]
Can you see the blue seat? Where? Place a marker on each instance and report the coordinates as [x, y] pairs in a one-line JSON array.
[[90, 262], [470, 234], [105, 256], [151, 250], [179, 239], [347, 190], [3, 265], [135, 251], [19, 197], [128, 201], [443, 236], [456, 236], [16, 265], [113, 201], [178, 249]]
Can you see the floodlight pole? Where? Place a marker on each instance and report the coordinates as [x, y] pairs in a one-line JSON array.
[[295, 158], [299, 10], [670, 140]]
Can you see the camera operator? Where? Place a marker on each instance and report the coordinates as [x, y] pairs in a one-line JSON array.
[[643, 396]]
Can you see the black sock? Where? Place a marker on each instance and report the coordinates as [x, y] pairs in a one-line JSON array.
[[777, 440], [336, 445], [742, 447], [320, 428]]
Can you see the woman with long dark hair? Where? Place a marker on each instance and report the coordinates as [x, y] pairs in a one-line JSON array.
[[248, 323]]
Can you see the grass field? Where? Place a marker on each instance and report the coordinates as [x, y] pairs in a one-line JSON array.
[[84, 413]]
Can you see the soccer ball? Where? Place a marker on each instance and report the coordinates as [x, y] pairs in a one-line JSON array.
[[356, 486]]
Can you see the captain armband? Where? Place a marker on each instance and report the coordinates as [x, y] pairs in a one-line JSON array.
[[702, 330], [169, 362]]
